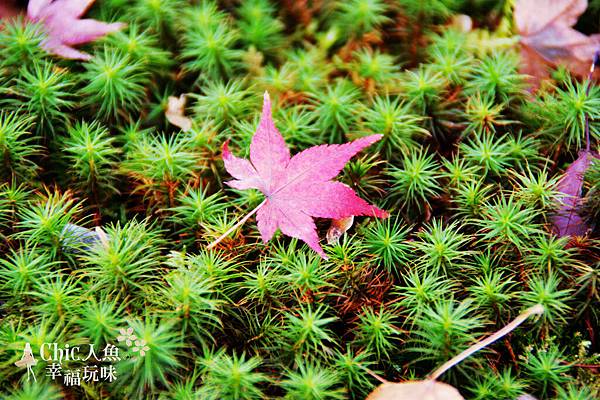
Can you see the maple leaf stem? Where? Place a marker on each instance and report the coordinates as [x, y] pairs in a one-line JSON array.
[[535, 310], [587, 92], [237, 225]]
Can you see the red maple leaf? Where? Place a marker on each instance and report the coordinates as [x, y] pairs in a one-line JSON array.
[[297, 188], [64, 28]]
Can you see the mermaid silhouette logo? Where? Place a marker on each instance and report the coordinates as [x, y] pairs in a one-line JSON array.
[[27, 360]]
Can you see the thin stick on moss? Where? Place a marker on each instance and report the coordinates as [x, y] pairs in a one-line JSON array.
[[535, 310], [233, 228], [587, 92]]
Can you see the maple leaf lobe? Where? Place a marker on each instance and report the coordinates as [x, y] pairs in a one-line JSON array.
[[268, 151], [298, 188], [63, 27]]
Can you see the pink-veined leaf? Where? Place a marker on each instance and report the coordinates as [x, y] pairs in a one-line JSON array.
[[64, 28], [298, 188]]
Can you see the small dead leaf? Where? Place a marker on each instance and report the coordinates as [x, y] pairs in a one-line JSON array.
[[253, 60], [338, 227], [77, 238], [567, 221], [526, 397], [462, 22], [415, 390], [175, 110], [548, 37], [102, 236]]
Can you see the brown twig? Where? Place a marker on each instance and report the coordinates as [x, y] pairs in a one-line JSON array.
[[587, 92]]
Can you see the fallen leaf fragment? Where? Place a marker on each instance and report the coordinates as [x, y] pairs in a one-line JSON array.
[[76, 238], [64, 28], [415, 390], [548, 37], [298, 188], [462, 23], [175, 113], [337, 228], [526, 397], [567, 221]]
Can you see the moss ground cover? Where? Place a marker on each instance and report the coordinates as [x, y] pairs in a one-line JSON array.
[[112, 187]]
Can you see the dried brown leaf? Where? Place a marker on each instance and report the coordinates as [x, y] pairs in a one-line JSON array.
[[567, 221], [548, 37], [415, 390]]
